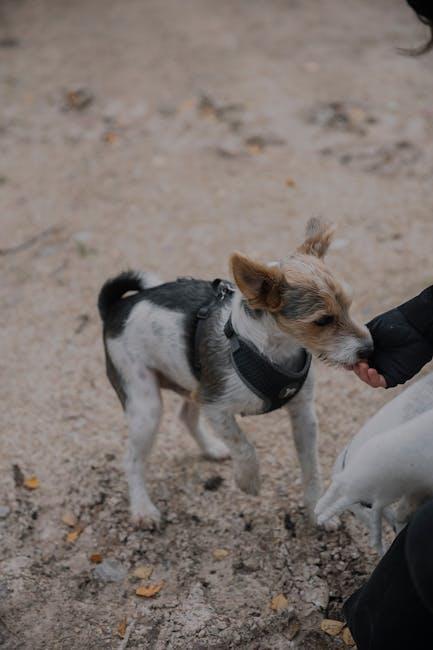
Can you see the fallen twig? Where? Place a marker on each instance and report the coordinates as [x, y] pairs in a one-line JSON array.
[[84, 319], [29, 242], [124, 642]]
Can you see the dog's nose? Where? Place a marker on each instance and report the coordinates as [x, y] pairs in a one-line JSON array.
[[366, 352]]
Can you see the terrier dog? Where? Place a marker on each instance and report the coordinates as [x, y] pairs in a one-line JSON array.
[[276, 310], [390, 460]]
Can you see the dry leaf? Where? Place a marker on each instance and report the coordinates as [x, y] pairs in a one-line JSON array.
[[69, 519], [31, 483], [74, 535], [188, 104], [110, 137], [254, 149], [356, 115], [220, 553], [290, 182], [79, 99], [207, 108], [150, 591], [96, 558], [143, 572], [279, 602], [331, 627], [347, 637], [121, 628]]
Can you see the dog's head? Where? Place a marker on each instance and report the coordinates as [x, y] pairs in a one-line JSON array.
[[305, 299]]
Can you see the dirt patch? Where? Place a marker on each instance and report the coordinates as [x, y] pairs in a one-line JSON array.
[[185, 138]]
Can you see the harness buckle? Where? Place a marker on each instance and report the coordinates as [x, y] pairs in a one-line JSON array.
[[221, 288]]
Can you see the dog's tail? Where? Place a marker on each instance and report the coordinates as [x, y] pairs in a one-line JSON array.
[[115, 288]]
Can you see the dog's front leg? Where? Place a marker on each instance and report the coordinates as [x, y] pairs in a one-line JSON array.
[[304, 428], [404, 509], [376, 528], [246, 465]]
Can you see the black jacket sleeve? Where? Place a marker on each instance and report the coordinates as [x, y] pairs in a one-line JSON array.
[[403, 339], [423, 8], [419, 313], [394, 609]]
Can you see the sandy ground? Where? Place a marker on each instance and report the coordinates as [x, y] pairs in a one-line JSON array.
[[209, 127]]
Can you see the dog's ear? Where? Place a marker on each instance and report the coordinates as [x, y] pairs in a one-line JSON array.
[[261, 285], [318, 236]]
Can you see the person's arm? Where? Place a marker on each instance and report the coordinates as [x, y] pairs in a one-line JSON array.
[[403, 342]]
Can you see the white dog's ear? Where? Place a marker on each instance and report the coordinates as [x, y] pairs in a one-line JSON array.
[[262, 285], [318, 236]]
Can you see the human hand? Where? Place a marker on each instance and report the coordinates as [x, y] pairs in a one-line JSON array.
[[369, 375]]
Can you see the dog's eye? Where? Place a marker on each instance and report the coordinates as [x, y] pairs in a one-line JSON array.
[[324, 320]]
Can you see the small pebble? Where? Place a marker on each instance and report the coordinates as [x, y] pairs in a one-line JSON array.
[[288, 523], [213, 483], [110, 571], [4, 511], [9, 42], [78, 99]]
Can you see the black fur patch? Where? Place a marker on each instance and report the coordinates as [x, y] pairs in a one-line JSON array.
[[113, 290], [185, 296], [216, 350]]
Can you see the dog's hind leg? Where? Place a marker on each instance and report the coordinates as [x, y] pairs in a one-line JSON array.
[[376, 528], [390, 518], [143, 412], [194, 421], [362, 513], [405, 508], [244, 456]]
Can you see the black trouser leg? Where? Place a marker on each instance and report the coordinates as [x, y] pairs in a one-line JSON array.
[[394, 609]]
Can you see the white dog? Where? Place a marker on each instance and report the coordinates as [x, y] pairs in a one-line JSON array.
[[390, 460]]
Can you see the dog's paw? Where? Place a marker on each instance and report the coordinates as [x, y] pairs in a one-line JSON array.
[[248, 482], [379, 547], [318, 521], [216, 450], [330, 525], [146, 518]]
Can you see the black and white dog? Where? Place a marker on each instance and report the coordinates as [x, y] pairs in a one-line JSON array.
[[268, 319]]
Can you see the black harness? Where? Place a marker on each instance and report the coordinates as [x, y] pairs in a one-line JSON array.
[[274, 384]]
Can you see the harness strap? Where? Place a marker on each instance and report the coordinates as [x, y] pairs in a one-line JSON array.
[[273, 384], [221, 289]]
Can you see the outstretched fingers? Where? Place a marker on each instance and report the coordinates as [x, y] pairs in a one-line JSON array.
[[369, 375]]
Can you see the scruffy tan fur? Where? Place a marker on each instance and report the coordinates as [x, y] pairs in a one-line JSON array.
[[270, 288]]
